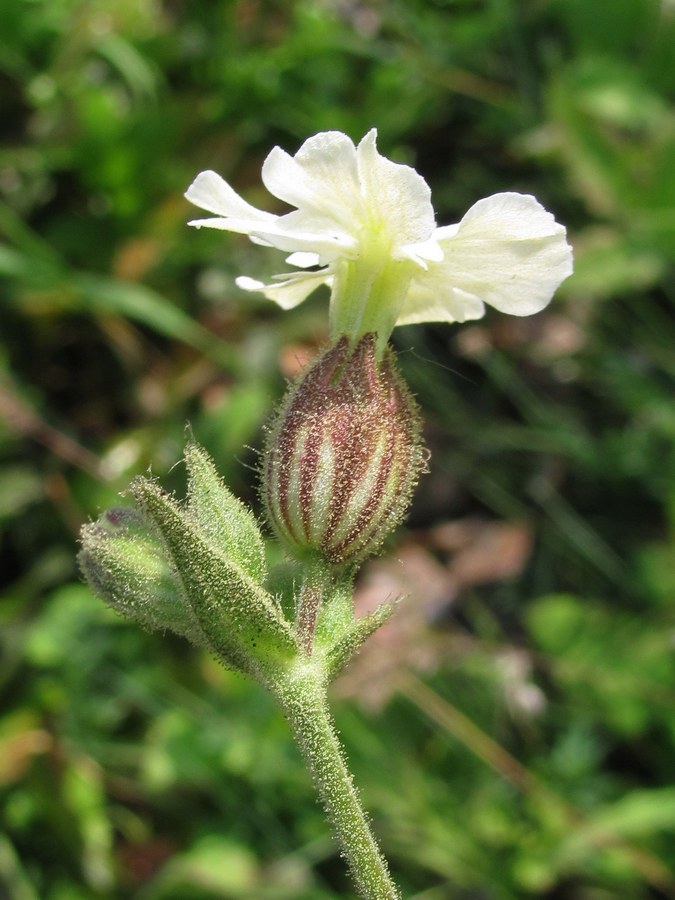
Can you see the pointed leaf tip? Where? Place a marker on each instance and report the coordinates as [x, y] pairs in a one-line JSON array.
[[225, 523], [241, 620]]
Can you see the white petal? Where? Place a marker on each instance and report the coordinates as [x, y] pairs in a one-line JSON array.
[[287, 290], [427, 301], [322, 176], [429, 251], [303, 260], [211, 192], [446, 231], [398, 196], [260, 241], [240, 226], [293, 238], [508, 251], [318, 233]]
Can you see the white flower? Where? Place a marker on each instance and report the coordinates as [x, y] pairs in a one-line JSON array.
[[365, 226]]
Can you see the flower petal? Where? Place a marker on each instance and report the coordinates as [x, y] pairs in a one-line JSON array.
[[297, 232], [287, 290], [398, 195], [352, 204], [303, 260], [322, 176], [421, 254], [508, 251], [211, 192], [240, 226], [430, 302]]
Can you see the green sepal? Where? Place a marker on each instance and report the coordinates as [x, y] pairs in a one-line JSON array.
[[351, 640], [241, 620], [229, 528], [123, 561]]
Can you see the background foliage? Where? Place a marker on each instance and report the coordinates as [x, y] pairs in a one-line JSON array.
[[513, 729]]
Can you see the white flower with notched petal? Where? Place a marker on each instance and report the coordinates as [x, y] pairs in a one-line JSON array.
[[365, 226]]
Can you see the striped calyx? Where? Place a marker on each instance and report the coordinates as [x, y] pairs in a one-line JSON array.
[[343, 455]]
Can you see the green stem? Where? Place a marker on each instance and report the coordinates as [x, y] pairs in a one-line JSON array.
[[302, 695], [313, 590]]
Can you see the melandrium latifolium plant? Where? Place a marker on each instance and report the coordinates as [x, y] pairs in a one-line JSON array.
[[344, 452]]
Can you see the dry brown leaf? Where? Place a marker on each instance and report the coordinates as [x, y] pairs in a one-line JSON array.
[[483, 551]]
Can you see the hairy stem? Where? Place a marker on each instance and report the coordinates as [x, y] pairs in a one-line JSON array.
[[312, 594], [302, 695]]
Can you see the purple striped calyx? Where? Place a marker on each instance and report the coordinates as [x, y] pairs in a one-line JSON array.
[[343, 455]]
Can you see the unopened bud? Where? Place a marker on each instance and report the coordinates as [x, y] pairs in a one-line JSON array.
[[343, 455], [123, 561]]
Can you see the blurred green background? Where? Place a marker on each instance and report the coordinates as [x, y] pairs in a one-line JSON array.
[[513, 730]]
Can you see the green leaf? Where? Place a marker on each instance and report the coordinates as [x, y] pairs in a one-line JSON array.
[[352, 639], [85, 799], [638, 815], [229, 528], [14, 877], [557, 621], [141, 77], [241, 620], [19, 488], [220, 866], [140, 303]]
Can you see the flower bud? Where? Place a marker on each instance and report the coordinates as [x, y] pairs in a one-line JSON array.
[[196, 568], [343, 455], [124, 563]]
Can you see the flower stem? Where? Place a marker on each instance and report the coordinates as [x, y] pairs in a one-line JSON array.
[[310, 599], [302, 695]]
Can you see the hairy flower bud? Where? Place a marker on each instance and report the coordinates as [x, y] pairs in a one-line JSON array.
[[123, 561], [196, 568], [343, 455]]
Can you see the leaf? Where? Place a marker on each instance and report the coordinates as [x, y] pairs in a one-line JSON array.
[[352, 639], [241, 620], [135, 301], [19, 488], [224, 522], [85, 800], [141, 77], [220, 866], [14, 877], [638, 815]]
